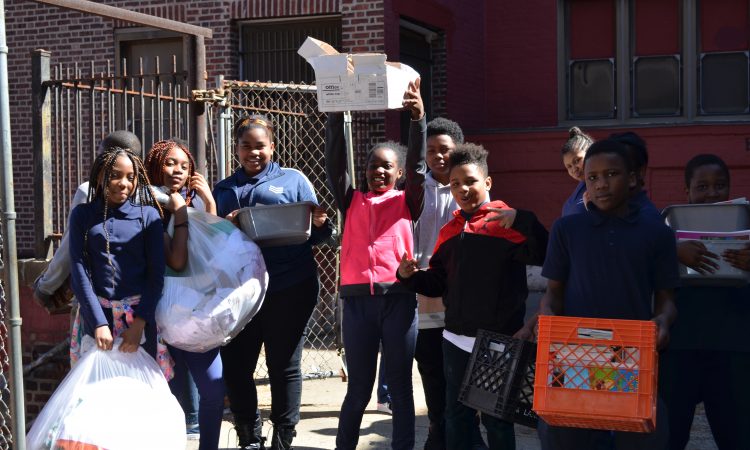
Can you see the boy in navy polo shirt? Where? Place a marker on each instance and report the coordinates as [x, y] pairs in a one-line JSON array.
[[479, 269], [708, 359], [609, 263]]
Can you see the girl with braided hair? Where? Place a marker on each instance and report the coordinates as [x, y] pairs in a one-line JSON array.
[[117, 261], [170, 164]]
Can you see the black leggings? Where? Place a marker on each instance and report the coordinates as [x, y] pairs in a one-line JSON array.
[[280, 325]]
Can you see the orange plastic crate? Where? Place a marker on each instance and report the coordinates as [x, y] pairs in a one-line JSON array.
[[596, 373]]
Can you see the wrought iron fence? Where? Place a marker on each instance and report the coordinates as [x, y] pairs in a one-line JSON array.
[[299, 130], [86, 104], [83, 106]]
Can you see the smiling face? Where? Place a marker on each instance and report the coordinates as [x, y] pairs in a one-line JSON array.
[[121, 184], [382, 170], [469, 186], [709, 184], [608, 182], [573, 162], [176, 169], [439, 148], [254, 150]]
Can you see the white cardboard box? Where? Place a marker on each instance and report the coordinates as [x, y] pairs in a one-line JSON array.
[[355, 82]]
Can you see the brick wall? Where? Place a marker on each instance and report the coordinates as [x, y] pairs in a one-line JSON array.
[[75, 37], [41, 332]]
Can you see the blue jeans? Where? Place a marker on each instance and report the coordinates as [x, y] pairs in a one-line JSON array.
[[188, 397], [383, 395], [460, 420], [368, 322], [206, 369]]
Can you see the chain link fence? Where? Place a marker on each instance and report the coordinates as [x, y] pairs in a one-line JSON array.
[[299, 130], [6, 437]]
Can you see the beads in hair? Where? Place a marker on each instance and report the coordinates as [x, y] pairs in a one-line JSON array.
[[157, 157], [101, 172]]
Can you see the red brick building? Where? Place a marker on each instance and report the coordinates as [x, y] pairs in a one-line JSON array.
[[515, 75], [512, 74]]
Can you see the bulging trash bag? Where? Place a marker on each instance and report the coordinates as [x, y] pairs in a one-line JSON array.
[[220, 290], [111, 400]]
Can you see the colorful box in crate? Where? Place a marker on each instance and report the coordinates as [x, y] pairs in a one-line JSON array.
[[596, 373], [499, 379]]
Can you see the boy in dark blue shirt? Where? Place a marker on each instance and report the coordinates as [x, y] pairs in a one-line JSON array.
[[609, 263], [708, 358]]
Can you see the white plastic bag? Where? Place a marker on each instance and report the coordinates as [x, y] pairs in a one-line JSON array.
[[220, 290], [111, 400]]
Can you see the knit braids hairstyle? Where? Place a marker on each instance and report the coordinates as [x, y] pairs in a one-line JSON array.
[[157, 157], [101, 173]]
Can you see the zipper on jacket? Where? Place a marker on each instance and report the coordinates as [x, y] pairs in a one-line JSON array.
[[460, 265], [370, 244]]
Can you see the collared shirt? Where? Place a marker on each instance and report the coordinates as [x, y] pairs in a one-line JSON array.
[[611, 266], [574, 203], [246, 183], [646, 205], [135, 264]]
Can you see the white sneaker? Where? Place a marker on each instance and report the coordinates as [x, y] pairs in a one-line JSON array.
[[385, 407]]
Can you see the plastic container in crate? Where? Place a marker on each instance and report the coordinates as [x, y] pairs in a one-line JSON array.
[[275, 225], [499, 378], [596, 373], [708, 217]]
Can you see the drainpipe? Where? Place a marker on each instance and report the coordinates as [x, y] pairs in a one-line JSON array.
[[9, 249]]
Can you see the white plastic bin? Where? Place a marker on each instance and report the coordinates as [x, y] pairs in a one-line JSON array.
[[708, 217], [276, 225]]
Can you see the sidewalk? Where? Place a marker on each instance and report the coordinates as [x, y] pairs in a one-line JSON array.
[[321, 401]]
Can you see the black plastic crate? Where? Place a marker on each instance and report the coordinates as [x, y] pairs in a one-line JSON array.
[[499, 378]]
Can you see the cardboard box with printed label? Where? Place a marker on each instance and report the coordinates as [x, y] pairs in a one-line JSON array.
[[355, 82]]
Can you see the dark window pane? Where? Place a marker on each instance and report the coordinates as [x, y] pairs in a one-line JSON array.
[[656, 86], [270, 49], [724, 83], [592, 89]]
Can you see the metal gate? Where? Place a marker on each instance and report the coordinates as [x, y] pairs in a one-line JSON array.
[[80, 105], [299, 130]]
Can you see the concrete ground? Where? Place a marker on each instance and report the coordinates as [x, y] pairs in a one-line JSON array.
[[322, 399]]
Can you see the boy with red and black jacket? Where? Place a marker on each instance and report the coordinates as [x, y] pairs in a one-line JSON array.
[[479, 269]]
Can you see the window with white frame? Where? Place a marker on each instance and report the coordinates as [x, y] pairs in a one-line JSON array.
[[654, 60]]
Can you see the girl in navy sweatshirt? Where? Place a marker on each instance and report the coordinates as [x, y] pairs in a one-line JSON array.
[[117, 255], [291, 296]]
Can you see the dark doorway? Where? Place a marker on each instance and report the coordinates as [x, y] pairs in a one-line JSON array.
[[416, 51]]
